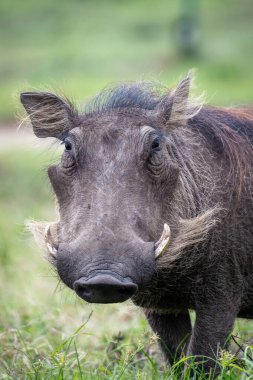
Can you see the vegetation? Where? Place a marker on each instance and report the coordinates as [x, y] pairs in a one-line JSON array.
[[79, 47]]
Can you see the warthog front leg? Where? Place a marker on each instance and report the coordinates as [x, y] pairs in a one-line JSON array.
[[213, 325], [173, 330]]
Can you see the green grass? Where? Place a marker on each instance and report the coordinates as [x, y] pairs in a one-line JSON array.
[[37, 350], [81, 46], [45, 331]]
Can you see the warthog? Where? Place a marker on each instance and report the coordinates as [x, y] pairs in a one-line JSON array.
[[155, 204]]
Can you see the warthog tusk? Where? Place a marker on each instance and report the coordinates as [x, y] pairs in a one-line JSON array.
[[49, 242], [162, 243]]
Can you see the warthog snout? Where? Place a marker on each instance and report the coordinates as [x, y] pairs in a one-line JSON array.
[[104, 288]]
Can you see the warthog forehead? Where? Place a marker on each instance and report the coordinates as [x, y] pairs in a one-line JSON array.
[[111, 144]]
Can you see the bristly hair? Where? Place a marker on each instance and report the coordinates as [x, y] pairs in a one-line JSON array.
[[230, 132], [143, 95]]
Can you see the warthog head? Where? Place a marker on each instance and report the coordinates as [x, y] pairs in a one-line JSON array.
[[115, 186]]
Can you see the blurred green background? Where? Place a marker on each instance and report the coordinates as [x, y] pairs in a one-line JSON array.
[[80, 46], [77, 47]]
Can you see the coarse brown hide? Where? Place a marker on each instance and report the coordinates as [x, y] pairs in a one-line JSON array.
[[138, 161]]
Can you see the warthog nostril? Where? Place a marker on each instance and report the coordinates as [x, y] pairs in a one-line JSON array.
[[123, 291], [104, 288], [83, 290]]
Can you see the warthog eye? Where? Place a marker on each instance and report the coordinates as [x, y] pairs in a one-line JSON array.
[[68, 160], [155, 146], [155, 143], [155, 163], [68, 145]]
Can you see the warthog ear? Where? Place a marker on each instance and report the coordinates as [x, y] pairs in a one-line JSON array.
[[50, 115], [176, 108]]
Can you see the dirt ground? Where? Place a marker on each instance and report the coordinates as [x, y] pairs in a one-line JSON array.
[[19, 137]]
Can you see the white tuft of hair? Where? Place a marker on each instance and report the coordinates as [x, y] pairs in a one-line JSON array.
[[46, 237]]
